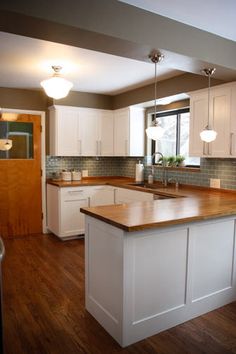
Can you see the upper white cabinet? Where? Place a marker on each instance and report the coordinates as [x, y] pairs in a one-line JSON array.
[[76, 131], [64, 128], [129, 132], [222, 119]]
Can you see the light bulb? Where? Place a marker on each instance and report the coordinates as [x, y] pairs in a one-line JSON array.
[[56, 87], [156, 132], [208, 135]]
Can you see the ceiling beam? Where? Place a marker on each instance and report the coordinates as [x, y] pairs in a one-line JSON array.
[[117, 28]]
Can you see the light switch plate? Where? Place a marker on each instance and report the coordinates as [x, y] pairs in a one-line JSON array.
[[214, 182]]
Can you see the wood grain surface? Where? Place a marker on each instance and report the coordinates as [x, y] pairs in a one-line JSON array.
[[190, 204], [20, 189], [44, 310]]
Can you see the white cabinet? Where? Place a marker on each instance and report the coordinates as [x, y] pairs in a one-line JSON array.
[[101, 195], [129, 131], [64, 218], [76, 131], [123, 195], [222, 119], [64, 127], [63, 210]]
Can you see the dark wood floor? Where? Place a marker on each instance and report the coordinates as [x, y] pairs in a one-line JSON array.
[[44, 308]]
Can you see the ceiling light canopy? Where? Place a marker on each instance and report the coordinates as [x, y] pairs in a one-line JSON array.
[[155, 132], [56, 87], [208, 134]]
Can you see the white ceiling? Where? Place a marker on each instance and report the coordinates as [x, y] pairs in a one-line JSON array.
[[25, 62], [215, 16]]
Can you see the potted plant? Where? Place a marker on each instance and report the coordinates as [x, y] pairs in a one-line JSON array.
[[171, 161], [163, 161], [180, 160]]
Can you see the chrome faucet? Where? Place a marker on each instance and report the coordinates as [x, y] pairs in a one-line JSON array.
[[164, 172]]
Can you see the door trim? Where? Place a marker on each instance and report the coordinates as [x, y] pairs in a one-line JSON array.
[[42, 114]]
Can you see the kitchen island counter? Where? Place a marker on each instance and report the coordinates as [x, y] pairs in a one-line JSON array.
[[150, 266], [188, 204]]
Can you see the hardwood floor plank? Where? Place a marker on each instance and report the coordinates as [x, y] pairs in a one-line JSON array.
[[44, 309]]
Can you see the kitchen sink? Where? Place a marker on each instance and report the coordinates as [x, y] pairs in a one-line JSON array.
[[155, 187], [147, 185]]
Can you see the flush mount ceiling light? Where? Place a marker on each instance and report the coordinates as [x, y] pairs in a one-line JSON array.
[[155, 132], [5, 144], [56, 87], [208, 134]]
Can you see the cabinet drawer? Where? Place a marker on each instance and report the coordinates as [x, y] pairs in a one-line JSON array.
[[73, 193]]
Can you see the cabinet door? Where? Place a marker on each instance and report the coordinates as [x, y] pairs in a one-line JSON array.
[[121, 132], [220, 121], [88, 131], [137, 131], [101, 195], [64, 131], [198, 121], [71, 219], [123, 195], [106, 133]]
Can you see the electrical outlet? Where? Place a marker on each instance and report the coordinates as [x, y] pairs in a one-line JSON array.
[[214, 182]]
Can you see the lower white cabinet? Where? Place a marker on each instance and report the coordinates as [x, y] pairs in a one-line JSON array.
[[63, 210], [123, 195], [101, 195], [64, 218]]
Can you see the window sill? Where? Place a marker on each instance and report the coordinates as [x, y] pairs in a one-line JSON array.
[[181, 169]]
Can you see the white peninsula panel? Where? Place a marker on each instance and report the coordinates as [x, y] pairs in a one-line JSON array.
[[143, 282]]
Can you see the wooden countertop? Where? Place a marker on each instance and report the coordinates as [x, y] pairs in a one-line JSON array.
[[91, 181], [190, 204]]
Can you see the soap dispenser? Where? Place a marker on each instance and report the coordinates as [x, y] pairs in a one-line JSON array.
[[151, 176]]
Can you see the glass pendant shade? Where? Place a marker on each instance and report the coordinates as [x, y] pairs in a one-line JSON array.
[[156, 132], [56, 87], [5, 144], [208, 135]]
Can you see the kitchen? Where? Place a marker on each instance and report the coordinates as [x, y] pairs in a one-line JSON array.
[[35, 102]]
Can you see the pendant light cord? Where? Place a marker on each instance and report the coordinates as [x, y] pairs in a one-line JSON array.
[[209, 85], [155, 108]]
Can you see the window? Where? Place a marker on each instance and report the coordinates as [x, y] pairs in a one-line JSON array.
[[175, 140]]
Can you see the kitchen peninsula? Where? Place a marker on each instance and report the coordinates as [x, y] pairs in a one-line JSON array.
[[155, 264]]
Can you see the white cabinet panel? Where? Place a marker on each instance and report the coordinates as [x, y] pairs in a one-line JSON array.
[[88, 131], [198, 121], [101, 195], [105, 133], [221, 118], [129, 132], [121, 132], [64, 124], [123, 195], [63, 210], [220, 106], [165, 252], [76, 131], [212, 258]]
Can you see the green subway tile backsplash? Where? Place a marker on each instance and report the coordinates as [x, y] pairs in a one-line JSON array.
[[225, 169]]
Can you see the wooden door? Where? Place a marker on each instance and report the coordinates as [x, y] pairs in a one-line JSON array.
[[20, 188]]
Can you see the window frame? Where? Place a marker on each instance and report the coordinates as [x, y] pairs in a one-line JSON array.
[[177, 113]]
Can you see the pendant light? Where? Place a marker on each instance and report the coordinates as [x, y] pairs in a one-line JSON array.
[[208, 134], [56, 87], [155, 132], [5, 144]]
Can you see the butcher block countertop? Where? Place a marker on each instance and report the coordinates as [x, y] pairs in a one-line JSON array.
[[189, 203]]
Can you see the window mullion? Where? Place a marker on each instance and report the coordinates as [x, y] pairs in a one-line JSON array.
[[178, 117]]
